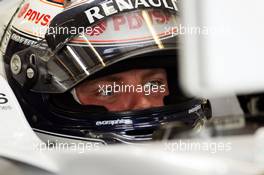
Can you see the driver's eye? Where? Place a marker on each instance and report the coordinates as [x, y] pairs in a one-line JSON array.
[[107, 92], [152, 84]]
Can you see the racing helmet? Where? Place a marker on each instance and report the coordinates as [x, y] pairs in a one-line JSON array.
[[48, 51]]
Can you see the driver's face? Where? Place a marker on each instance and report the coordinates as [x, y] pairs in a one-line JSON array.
[[130, 90]]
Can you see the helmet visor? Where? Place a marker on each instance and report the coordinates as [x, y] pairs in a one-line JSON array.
[[119, 37]]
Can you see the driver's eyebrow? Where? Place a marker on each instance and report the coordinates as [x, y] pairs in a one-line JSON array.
[[152, 73], [110, 78], [93, 84]]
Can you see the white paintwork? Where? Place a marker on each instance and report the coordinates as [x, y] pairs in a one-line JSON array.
[[229, 58], [225, 106], [17, 139], [159, 158]]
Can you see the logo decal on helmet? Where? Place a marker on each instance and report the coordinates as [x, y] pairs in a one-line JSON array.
[[114, 122], [37, 17], [23, 10], [127, 27], [112, 7], [195, 109], [97, 29]]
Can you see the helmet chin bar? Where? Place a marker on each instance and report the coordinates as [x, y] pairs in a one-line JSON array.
[[131, 126], [164, 131], [110, 137]]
